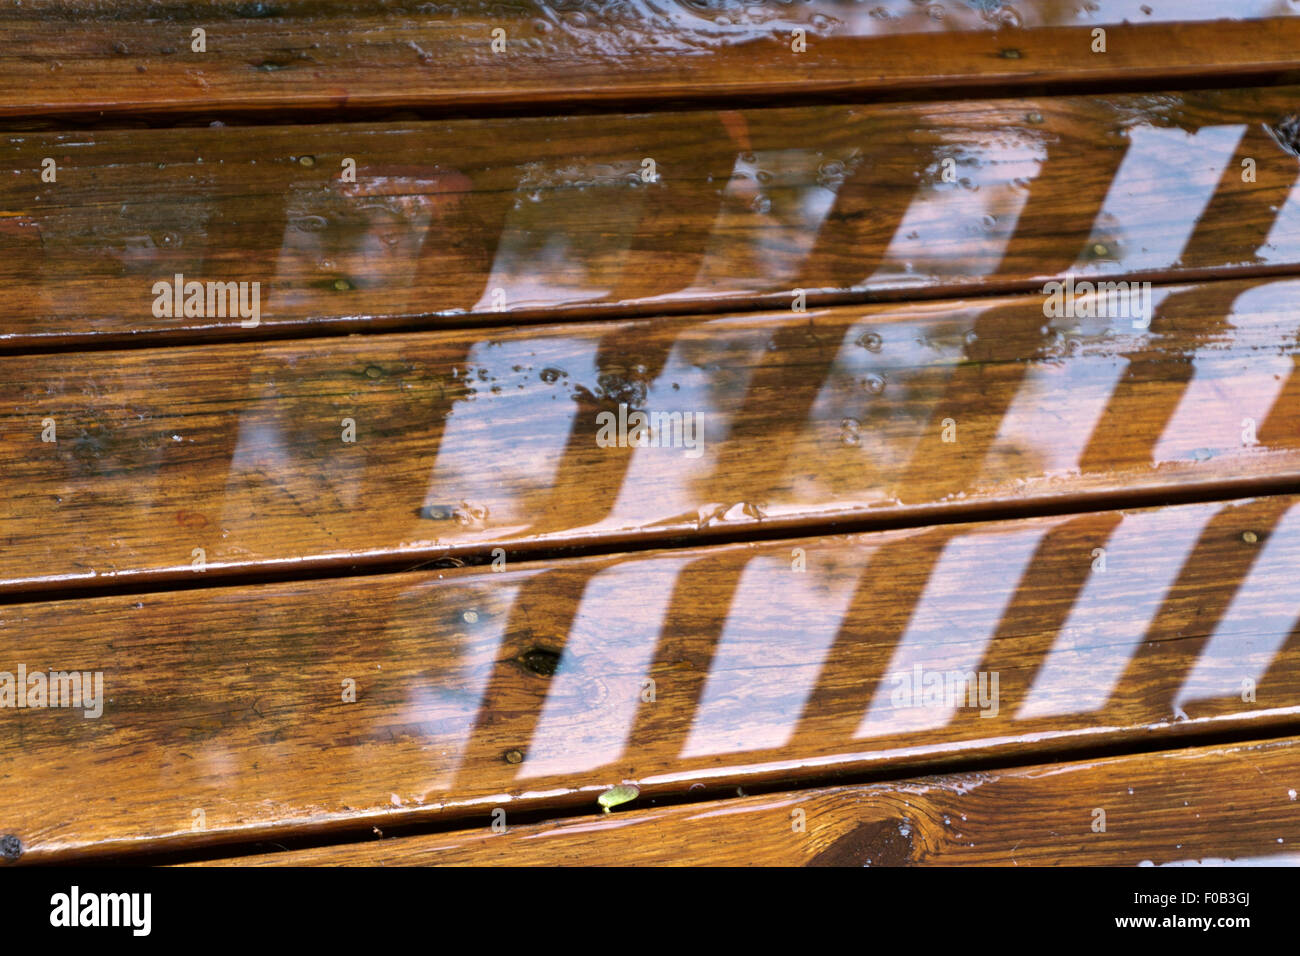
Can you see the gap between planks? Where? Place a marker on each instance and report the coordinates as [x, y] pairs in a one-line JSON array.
[[1203, 805]]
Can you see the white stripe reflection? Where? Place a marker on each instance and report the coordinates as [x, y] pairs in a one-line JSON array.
[[594, 695], [445, 699], [760, 679], [566, 237], [951, 628], [501, 473], [1064, 400], [781, 197], [934, 237], [886, 358], [1234, 383], [1114, 611], [1256, 625], [1284, 236], [691, 384], [1167, 177]]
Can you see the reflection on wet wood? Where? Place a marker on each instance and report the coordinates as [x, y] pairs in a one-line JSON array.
[[475, 220], [534, 681], [60, 58], [255, 457], [541, 686], [1203, 806]]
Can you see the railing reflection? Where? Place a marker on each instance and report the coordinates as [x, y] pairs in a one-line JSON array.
[[770, 638]]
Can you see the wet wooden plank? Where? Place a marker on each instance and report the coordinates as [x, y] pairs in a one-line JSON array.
[[463, 221], [227, 713], [61, 57], [123, 468], [1232, 805]]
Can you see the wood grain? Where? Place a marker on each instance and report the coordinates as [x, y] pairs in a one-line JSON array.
[[474, 221], [318, 663], [535, 688], [1197, 806], [468, 441], [60, 57]]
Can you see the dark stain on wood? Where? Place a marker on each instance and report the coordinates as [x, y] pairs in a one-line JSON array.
[[876, 843]]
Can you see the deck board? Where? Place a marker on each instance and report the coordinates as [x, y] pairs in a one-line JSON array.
[[537, 687], [1199, 806], [471, 440], [73, 58], [491, 220]]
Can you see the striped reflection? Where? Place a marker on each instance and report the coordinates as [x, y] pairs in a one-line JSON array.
[[951, 628], [1264, 611], [1143, 558], [594, 694], [759, 681]]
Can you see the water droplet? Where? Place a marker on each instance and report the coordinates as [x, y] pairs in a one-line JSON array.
[[850, 429], [870, 341], [310, 223], [1008, 17]]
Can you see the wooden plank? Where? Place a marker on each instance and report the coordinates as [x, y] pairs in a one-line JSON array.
[[468, 441], [456, 222], [59, 57], [225, 713], [1199, 806]]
